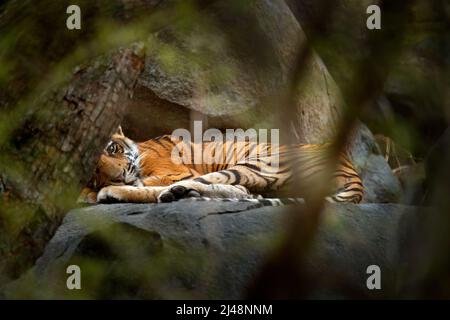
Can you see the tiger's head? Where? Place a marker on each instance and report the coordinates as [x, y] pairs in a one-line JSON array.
[[118, 164]]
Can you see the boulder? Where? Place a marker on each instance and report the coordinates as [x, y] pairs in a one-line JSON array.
[[232, 63], [209, 250], [380, 183]]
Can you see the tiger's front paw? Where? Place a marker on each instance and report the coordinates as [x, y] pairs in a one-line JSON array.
[[111, 194], [177, 192], [87, 196], [190, 189]]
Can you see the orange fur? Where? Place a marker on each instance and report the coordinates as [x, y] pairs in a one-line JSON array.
[[146, 172]]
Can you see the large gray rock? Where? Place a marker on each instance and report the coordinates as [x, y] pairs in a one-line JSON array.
[[234, 62], [209, 250], [380, 184]]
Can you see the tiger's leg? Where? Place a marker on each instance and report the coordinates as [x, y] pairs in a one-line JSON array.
[[251, 178], [191, 188], [350, 188], [236, 182], [347, 196], [129, 194], [87, 195]]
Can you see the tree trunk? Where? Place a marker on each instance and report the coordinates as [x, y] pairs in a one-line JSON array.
[[54, 153]]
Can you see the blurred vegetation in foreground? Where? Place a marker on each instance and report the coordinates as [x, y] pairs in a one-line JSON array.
[[396, 81]]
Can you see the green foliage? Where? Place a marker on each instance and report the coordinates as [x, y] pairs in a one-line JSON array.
[[38, 57]]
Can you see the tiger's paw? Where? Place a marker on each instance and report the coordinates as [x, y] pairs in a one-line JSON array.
[[111, 194], [87, 196], [190, 189], [178, 192]]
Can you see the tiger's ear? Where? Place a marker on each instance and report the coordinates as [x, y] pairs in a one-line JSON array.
[[120, 132]]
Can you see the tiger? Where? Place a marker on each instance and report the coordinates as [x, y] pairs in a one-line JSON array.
[[148, 172]]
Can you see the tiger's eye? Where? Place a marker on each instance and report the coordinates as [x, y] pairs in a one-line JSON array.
[[112, 148]]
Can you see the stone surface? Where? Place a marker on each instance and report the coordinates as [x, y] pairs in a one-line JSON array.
[[234, 63], [380, 184], [207, 250]]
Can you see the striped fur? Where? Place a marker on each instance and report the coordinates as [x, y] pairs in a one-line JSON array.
[[147, 172]]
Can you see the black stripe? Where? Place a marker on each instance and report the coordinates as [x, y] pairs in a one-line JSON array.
[[342, 173], [354, 182], [237, 176], [250, 166], [352, 189], [226, 174], [154, 150], [266, 202], [200, 179], [161, 144]]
